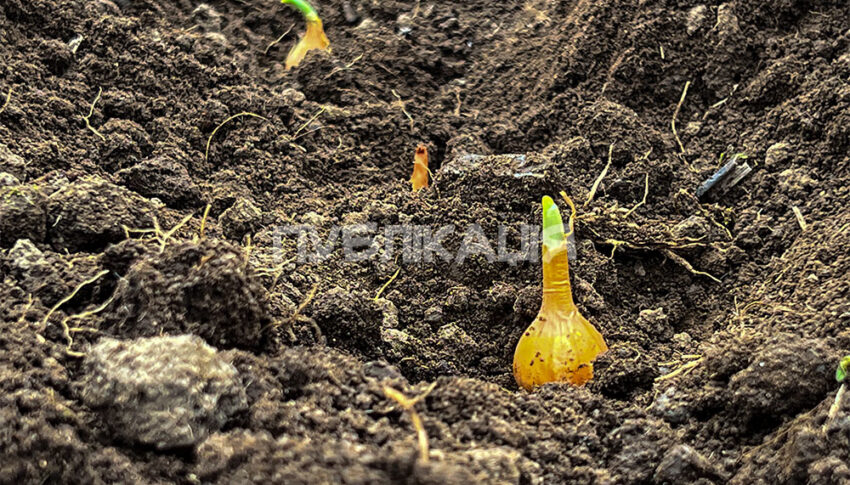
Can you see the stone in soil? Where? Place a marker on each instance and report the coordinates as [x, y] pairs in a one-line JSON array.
[[167, 392]]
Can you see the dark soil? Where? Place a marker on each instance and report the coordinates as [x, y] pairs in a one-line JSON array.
[[725, 317]]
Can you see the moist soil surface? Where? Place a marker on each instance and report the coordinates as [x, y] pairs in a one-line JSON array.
[[138, 200]]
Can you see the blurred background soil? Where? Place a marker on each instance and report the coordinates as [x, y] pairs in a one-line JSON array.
[[725, 317]]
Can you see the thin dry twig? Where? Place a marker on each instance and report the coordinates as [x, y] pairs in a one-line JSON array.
[[295, 136], [682, 370], [408, 405], [676, 115], [344, 68], [204, 221], [602, 175], [295, 315], [164, 237], [719, 103], [388, 283], [87, 118], [685, 264], [572, 220], [277, 41], [67, 330], [643, 201], [403, 105], [298, 317], [228, 120], [8, 98], [71, 296], [800, 219], [833, 409]]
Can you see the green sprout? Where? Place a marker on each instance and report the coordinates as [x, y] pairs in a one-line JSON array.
[[840, 375], [305, 8], [553, 224], [843, 369]]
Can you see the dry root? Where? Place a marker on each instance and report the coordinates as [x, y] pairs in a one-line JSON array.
[[682, 369], [228, 120], [676, 115], [87, 118], [408, 405]]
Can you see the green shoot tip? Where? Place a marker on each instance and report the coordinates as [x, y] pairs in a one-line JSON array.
[[843, 369], [304, 7], [553, 225]]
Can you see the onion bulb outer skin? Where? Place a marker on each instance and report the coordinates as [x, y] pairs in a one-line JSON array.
[[314, 37]]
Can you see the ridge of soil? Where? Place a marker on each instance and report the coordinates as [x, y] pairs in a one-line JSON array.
[[725, 318]]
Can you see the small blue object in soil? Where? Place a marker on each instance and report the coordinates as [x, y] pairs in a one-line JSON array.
[[725, 178]]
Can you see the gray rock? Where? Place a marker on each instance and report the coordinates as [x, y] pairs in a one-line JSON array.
[[398, 344], [697, 18], [24, 256], [672, 406], [434, 314], [207, 18], [168, 392], [350, 13], [293, 97]]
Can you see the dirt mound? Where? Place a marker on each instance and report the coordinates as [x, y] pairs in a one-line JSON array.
[[201, 288], [152, 152]]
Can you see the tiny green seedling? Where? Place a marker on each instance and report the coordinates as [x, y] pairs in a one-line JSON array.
[[843, 369], [840, 375]]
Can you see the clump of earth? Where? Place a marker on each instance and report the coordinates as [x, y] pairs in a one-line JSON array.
[[183, 302]]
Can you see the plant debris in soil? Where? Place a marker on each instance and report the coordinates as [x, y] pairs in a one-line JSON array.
[[155, 326]]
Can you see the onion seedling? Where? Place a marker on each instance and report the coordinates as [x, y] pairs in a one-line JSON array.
[[840, 376], [314, 37], [419, 179], [560, 345], [843, 369]]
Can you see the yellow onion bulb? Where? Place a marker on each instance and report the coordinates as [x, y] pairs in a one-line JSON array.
[[560, 345]]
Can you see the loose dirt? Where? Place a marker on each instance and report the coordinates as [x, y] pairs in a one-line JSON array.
[[725, 317]]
